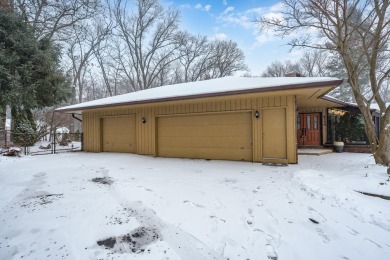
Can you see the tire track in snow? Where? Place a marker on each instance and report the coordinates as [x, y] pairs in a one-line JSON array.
[[184, 244], [31, 189]]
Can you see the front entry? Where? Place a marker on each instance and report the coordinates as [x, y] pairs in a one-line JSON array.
[[309, 129]]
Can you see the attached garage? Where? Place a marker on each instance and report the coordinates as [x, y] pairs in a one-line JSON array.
[[118, 134], [230, 118], [226, 136]]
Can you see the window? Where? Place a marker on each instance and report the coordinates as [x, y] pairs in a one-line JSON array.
[[315, 121], [308, 125]]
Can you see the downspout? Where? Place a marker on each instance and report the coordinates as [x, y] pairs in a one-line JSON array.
[[82, 135], [77, 118]]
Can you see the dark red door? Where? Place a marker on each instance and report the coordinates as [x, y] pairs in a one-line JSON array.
[[308, 129]]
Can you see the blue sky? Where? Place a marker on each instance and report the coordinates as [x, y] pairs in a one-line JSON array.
[[232, 19]]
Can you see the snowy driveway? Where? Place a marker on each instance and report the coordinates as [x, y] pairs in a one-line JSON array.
[[122, 206]]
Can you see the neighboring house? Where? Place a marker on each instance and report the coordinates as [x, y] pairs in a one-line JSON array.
[[232, 118]]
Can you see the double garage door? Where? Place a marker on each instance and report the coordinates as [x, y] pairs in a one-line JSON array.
[[226, 136]]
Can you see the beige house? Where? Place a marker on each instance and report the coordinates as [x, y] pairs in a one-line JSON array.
[[230, 118]]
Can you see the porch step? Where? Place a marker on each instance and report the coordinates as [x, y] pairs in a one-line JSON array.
[[310, 147], [308, 151]]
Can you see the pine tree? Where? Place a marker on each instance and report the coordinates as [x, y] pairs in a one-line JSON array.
[[30, 75]]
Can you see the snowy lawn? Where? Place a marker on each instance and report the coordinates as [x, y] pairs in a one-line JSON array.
[[124, 206]]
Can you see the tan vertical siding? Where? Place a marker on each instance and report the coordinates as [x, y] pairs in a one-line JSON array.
[[291, 128], [146, 133]]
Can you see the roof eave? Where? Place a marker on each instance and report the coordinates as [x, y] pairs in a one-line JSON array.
[[334, 83]]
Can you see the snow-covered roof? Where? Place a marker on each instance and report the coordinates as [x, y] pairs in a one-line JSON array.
[[376, 106], [373, 106], [62, 130], [335, 100], [213, 87]]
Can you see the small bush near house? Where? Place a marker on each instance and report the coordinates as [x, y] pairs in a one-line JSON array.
[[350, 127]]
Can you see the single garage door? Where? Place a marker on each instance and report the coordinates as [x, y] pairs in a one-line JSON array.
[[225, 136], [119, 134], [274, 135]]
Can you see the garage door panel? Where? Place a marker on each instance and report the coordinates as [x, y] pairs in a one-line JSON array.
[[118, 134], [207, 153], [210, 142], [199, 131], [209, 136], [194, 120]]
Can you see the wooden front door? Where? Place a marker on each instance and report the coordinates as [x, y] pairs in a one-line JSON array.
[[309, 129]]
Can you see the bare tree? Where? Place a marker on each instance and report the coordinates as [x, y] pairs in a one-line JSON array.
[[87, 37], [201, 58], [47, 121], [314, 63], [94, 87], [111, 72], [226, 59], [150, 41], [358, 31], [280, 69], [195, 58], [51, 18]]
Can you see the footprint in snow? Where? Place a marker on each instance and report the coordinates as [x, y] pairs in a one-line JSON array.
[[216, 204], [272, 217], [375, 243], [247, 221], [322, 234], [193, 204], [215, 221], [352, 231], [39, 174], [271, 254], [142, 187], [316, 215], [34, 230], [250, 221], [228, 180]]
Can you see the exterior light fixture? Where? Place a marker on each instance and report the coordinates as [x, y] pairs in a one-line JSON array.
[[257, 114], [143, 120]]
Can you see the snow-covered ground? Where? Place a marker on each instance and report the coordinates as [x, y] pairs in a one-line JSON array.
[[123, 206]]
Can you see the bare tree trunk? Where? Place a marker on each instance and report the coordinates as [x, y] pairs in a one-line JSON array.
[[382, 155], [3, 117]]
